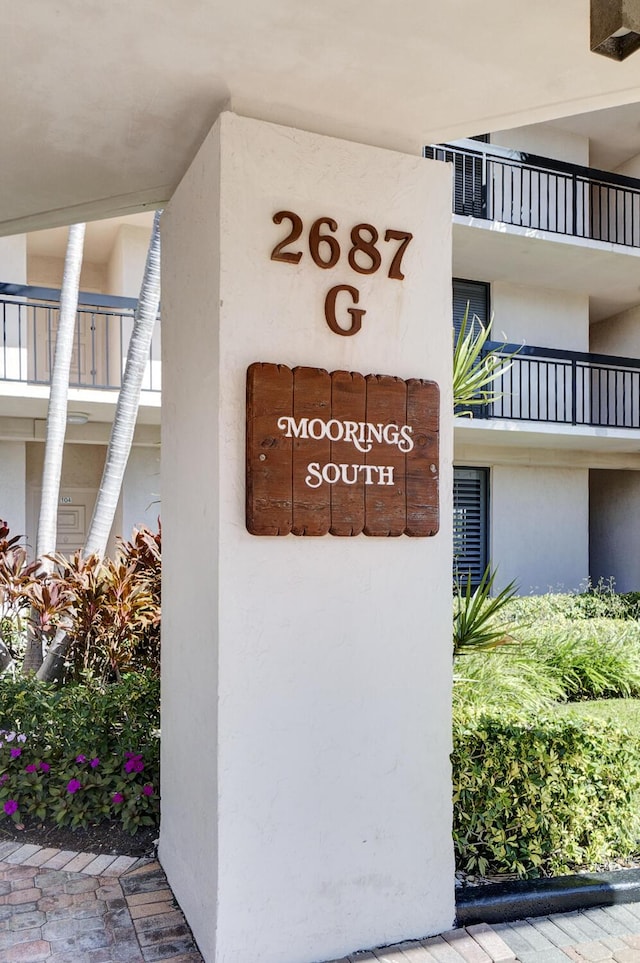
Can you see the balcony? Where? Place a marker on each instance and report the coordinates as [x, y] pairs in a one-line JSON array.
[[529, 191], [28, 323], [550, 386]]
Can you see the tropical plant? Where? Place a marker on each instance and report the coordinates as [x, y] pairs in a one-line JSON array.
[[108, 609], [476, 368], [121, 436], [475, 619]]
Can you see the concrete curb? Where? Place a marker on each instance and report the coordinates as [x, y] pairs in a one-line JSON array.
[[504, 902]]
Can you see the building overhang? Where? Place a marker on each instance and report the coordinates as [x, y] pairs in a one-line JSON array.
[[528, 435], [104, 107]]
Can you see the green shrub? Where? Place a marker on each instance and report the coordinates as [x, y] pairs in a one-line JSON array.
[[600, 602], [512, 678], [590, 658], [537, 795], [81, 753]]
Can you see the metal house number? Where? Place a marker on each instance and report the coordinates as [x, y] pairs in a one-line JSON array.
[[363, 257]]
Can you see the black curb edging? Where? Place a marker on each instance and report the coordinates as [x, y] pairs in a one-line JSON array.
[[504, 902]]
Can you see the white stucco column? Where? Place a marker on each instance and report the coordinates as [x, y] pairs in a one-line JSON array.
[[306, 793]]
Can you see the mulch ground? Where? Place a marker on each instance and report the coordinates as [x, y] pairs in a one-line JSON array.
[[105, 837]]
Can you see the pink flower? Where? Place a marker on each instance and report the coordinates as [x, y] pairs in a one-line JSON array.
[[148, 790], [73, 785], [10, 807], [31, 767], [4, 778], [117, 798], [11, 736], [22, 738], [45, 766], [15, 753], [134, 763], [94, 762], [81, 758]]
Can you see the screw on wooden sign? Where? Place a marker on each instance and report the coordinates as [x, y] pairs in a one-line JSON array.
[[363, 257], [341, 453]]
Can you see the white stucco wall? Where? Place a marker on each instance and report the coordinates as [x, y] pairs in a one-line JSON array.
[[306, 681], [539, 519], [141, 490], [546, 141], [13, 259], [631, 167], [615, 528], [618, 335], [127, 259], [47, 270], [538, 316], [12, 485]]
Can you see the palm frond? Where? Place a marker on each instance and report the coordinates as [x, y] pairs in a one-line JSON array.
[[475, 369], [475, 624]]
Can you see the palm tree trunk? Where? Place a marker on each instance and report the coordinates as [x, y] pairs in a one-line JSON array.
[[57, 420], [122, 430], [124, 422]]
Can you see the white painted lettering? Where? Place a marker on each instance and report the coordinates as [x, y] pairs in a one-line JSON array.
[[331, 473], [345, 474], [317, 429], [407, 441], [390, 433], [368, 471], [314, 478], [350, 429], [361, 434]]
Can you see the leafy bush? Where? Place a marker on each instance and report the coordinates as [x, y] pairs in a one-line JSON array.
[[512, 678], [81, 753], [536, 794], [624, 713], [590, 665], [109, 609], [596, 602]]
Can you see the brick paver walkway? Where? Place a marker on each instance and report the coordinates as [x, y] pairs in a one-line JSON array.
[[585, 936], [66, 907]]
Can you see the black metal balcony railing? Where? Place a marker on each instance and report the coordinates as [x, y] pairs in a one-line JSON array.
[[28, 332], [549, 195], [566, 387]]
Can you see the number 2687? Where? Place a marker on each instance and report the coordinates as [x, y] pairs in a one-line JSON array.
[[363, 256]]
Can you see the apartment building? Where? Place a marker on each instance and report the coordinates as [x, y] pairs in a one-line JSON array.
[[31, 268], [546, 241]]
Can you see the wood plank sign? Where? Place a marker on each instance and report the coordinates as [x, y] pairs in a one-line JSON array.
[[341, 453]]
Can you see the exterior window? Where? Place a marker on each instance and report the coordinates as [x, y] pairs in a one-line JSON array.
[[473, 293], [470, 523], [469, 179]]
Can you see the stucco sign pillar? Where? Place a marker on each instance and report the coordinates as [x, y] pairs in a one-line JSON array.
[[306, 450]]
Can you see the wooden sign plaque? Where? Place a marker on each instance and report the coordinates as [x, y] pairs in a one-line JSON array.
[[341, 453]]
